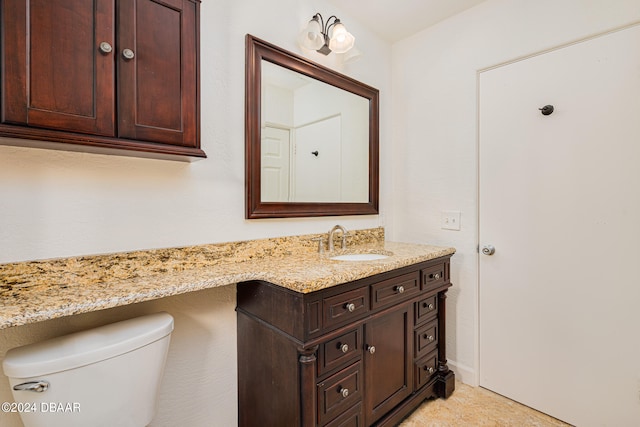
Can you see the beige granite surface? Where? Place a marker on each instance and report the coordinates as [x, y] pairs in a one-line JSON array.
[[47, 289]]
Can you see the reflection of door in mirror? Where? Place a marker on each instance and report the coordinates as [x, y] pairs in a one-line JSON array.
[[317, 161], [322, 118], [275, 164]]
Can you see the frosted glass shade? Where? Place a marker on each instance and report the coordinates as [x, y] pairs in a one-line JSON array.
[[341, 40], [311, 36]]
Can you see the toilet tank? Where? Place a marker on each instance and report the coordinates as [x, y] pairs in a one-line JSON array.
[[106, 376]]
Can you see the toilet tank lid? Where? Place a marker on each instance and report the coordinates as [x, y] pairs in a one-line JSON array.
[[86, 347]]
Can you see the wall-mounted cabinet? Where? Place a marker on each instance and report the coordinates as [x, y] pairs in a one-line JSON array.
[[112, 76]]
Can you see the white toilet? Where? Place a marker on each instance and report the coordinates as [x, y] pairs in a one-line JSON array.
[[107, 376]]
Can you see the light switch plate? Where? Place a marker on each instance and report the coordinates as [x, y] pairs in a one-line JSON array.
[[450, 220]]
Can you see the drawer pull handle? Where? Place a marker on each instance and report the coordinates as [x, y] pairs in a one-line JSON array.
[[400, 289], [105, 47], [429, 369], [428, 337], [435, 276], [344, 348], [371, 349], [429, 306], [344, 392], [350, 307], [128, 54]]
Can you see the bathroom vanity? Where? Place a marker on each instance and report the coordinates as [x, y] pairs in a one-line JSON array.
[[320, 342], [366, 352]]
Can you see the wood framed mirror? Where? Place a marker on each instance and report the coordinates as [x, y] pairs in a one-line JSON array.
[[311, 138]]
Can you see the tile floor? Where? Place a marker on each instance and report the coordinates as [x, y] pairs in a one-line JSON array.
[[474, 406]]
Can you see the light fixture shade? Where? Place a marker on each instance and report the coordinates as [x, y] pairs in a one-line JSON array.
[[341, 40], [311, 37]]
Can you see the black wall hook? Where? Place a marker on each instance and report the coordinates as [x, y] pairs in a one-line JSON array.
[[315, 153], [546, 110]]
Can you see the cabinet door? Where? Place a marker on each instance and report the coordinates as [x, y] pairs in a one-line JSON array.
[[157, 71], [388, 369], [55, 75]]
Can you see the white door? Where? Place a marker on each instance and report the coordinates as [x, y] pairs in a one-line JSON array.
[[275, 163], [318, 160], [559, 199]]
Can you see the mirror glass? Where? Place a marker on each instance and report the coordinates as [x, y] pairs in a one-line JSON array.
[[314, 140], [311, 138]]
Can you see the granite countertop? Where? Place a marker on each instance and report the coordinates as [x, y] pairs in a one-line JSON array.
[[42, 290]]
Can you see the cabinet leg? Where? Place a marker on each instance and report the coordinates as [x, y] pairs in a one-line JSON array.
[[445, 385], [307, 359], [446, 379]]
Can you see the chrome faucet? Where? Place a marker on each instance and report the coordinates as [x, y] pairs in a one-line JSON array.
[[344, 237]]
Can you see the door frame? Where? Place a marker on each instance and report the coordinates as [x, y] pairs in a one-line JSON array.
[[292, 150]]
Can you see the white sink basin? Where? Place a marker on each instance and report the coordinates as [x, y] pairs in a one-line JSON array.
[[359, 257]]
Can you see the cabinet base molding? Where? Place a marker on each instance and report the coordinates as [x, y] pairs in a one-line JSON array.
[[19, 136], [446, 384]]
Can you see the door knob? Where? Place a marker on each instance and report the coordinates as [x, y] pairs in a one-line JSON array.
[[488, 250]]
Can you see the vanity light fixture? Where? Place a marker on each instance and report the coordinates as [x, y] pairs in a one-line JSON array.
[[316, 36]]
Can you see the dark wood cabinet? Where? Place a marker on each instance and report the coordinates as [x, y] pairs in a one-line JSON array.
[[54, 76], [364, 353], [102, 75], [388, 361]]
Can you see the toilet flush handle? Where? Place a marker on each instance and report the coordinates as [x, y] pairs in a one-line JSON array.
[[37, 386]]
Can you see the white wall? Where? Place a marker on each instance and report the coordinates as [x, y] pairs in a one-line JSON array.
[[58, 204], [434, 161]]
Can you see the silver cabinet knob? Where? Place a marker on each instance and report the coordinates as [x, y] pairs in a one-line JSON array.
[[400, 289], [371, 349], [429, 306], [105, 47], [128, 54], [436, 276], [429, 369], [344, 348], [351, 307], [344, 392], [488, 250], [428, 337]]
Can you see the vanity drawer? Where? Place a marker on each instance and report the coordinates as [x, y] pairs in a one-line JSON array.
[[351, 418], [426, 339], [394, 290], [339, 351], [345, 307], [339, 392], [425, 369], [433, 276], [426, 309]]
